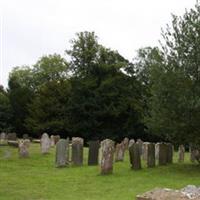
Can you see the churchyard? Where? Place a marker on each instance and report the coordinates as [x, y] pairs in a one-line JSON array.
[[40, 175]]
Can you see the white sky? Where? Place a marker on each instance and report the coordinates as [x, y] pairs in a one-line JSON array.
[[33, 28]]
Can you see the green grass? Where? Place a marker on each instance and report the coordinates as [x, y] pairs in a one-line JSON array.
[[36, 178]]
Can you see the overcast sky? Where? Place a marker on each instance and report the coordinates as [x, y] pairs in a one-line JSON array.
[[33, 28]]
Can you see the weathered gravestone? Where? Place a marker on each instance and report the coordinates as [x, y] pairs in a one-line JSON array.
[[181, 153], [52, 141], [93, 156], [45, 143], [126, 142], [77, 151], [131, 141], [144, 150], [151, 161], [135, 159], [119, 152], [12, 136], [61, 153], [107, 148], [140, 143], [23, 149], [170, 151], [162, 154]]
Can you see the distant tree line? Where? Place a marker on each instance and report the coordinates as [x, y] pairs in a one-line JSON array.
[[97, 93]]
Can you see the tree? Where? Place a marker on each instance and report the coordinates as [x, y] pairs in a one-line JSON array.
[[174, 105], [5, 112], [47, 110]]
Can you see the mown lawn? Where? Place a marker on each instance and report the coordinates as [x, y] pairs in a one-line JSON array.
[[36, 178]]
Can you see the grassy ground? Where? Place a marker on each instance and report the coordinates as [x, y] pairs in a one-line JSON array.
[[36, 178]]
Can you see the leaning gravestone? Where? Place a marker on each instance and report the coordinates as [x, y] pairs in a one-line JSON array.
[[181, 152], [119, 152], [162, 154], [151, 161], [135, 159], [12, 136], [77, 151], [45, 143], [93, 157], [23, 149], [61, 153], [107, 148]]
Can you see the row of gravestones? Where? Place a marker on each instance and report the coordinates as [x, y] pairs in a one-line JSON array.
[[149, 152]]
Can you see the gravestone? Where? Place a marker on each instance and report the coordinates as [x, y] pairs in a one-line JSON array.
[[45, 143], [93, 155], [77, 151], [140, 143], [192, 153], [107, 148], [52, 141], [131, 141], [125, 142], [23, 149], [119, 152], [144, 150], [151, 161], [181, 153], [157, 151], [162, 154], [61, 153], [135, 159], [170, 151], [68, 150], [12, 136]]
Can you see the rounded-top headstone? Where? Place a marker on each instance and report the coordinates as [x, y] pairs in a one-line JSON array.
[[45, 143], [61, 153]]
